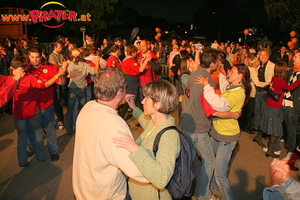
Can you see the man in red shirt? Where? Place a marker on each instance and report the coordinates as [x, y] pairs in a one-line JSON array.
[[45, 97], [113, 60], [25, 112], [148, 74]]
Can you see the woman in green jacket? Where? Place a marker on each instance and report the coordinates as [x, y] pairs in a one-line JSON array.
[[160, 100]]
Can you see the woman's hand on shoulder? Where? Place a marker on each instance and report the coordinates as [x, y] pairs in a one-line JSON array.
[[201, 80], [125, 142]]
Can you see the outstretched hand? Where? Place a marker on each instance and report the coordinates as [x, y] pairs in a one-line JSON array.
[[125, 142], [201, 80], [130, 98], [280, 171]]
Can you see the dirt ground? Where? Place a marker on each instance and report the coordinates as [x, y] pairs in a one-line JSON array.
[[248, 174]]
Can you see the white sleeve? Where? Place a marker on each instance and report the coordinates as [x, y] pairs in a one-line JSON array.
[[218, 103], [222, 82]]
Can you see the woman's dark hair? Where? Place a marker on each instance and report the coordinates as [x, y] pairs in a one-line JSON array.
[[208, 57], [244, 70], [280, 69]]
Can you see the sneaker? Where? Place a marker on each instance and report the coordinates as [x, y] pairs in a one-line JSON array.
[[289, 154], [55, 157], [60, 125], [29, 154], [265, 149], [25, 165], [215, 197]]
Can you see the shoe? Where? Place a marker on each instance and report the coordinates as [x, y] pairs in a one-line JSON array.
[[257, 139], [25, 165], [252, 131], [281, 140], [128, 117], [293, 158], [265, 149], [270, 151], [138, 125], [55, 157], [289, 155], [215, 197], [29, 154], [60, 125]]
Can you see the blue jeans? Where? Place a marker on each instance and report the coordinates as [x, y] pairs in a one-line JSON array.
[[291, 120], [223, 151], [48, 123], [75, 94], [31, 129], [258, 107], [203, 147]]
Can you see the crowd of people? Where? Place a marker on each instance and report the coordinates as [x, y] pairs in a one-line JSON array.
[[218, 89]]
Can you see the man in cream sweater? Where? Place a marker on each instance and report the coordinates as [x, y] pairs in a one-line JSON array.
[[98, 164]]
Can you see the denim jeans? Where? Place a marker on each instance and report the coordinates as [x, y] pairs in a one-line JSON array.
[[291, 120], [31, 129], [258, 107], [223, 151], [48, 123], [75, 94], [203, 147]]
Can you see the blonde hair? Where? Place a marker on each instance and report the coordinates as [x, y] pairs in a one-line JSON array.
[[251, 63], [75, 54]]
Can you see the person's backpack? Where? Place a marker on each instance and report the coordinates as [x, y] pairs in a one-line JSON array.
[[182, 182]]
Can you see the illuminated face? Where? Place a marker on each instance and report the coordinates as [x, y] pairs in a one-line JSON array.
[[118, 42], [58, 48], [283, 49], [297, 59], [148, 105], [70, 47], [35, 59], [144, 46], [264, 56], [233, 75]]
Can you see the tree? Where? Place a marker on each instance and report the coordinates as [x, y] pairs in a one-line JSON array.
[[288, 11]]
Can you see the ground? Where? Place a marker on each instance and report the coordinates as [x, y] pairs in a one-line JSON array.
[[249, 170]]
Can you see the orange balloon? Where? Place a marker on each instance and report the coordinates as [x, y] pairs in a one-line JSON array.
[[246, 31], [157, 29], [290, 44], [158, 35], [294, 40], [293, 33]]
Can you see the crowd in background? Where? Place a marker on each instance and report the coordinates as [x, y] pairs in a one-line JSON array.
[[179, 62]]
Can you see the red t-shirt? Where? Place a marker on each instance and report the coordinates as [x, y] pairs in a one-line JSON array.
[[130, 66], [25, 97], [7, 88], [148, 74], [44, 73], [88, 77], [113, 62]]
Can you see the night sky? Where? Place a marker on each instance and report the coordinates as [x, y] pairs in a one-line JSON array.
[[173, 10], [183, 11]]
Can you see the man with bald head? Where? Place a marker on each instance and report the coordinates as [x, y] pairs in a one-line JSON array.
[[148, 74]]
